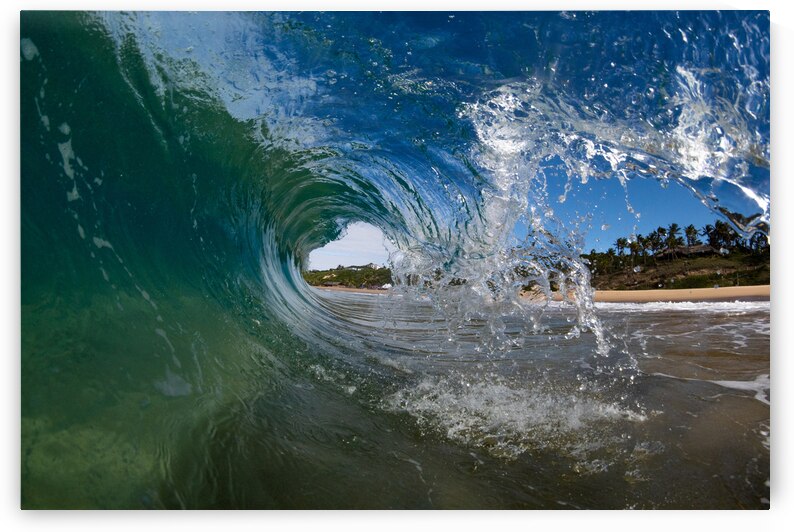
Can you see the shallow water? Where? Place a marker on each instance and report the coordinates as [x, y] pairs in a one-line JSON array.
[[677, 417], [178, 168]]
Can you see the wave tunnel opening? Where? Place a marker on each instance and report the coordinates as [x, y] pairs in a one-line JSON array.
[[180, 173]]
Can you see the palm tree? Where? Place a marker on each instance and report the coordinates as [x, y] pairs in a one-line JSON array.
[[621, 244], [691, 233], [672, 242], [611, 257], [655, 243], [635, 248], [725, 235], [710, 234], [673, 230], [670, 237], [643, 243]]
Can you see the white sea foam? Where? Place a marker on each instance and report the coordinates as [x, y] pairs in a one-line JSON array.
[[508, 420], [760, 385], [688, 306]]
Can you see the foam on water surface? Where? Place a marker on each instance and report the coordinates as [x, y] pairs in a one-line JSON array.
[[687, 306], [176, 178]]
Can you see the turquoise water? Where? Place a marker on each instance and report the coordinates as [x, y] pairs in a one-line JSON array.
[[177, 169]]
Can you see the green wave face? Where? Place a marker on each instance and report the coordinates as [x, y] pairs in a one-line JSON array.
[[177, 169]]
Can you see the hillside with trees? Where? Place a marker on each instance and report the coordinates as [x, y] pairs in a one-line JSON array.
[[676, 257], [368, 276], [667, 257]]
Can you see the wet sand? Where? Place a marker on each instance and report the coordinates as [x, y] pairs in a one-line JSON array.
[[355, 290], [727, 293]]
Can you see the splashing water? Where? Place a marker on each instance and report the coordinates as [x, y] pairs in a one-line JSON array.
[[178, 169]]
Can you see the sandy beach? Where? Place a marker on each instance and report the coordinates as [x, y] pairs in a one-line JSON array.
[[354, 290], [727, 293]]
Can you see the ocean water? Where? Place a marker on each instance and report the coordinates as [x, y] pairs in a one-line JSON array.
[[177, 169]]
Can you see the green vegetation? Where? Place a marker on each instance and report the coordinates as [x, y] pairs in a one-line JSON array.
[[668, 257], [369, 276]]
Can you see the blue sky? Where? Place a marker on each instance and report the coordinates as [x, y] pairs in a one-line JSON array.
[[604, 200]]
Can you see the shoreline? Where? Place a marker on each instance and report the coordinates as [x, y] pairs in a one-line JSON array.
[[727, 293], [353, 290]]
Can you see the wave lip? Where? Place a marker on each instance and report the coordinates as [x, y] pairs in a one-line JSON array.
[[177, 169]]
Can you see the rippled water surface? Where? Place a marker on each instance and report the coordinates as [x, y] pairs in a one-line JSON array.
[[178, 168]]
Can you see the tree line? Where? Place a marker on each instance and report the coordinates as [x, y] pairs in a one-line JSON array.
[[669, 243]]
